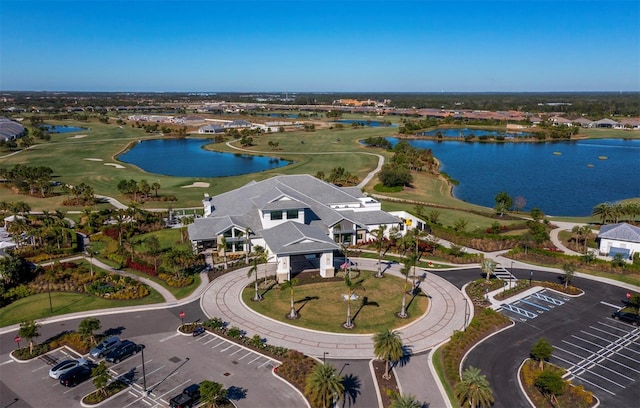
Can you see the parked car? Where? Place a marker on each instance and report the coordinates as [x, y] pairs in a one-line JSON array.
[[189, 397], [75, 376], [627, 317], [124, 350], [105, 347], [64, 366], [198, 331]]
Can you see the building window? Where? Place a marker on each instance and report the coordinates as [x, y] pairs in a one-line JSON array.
[[228, 234], [276, 215], [292, 214]]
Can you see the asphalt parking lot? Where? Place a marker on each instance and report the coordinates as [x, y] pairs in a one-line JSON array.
[[171, 362], [604, 356], [534, 305]]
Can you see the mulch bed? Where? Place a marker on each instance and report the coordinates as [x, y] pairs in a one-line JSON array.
[[386, 387]]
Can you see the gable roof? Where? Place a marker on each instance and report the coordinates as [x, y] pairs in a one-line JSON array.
[[621, 231], [295, 238]]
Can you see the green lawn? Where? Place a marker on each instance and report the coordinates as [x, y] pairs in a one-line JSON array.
[[37, 306], [322, 307]]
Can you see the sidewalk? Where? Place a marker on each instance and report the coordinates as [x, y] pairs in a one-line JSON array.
[[448, 312]]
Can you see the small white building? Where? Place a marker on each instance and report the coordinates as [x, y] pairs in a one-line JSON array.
[[621, 238]]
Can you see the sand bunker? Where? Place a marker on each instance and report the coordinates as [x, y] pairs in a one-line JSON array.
[[116, 165], [77, 137], [92, 159], [197, 184]]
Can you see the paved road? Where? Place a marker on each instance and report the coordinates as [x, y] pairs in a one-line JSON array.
[[448, 311], [500, 355]]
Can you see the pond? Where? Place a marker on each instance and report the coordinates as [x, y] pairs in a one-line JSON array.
[[474, 132], [561, 178], [62, 128], [188, 158]]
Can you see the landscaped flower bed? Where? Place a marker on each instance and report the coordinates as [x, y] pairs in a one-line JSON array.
[[110, 390]]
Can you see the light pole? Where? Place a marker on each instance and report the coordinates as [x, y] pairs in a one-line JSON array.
[[144, 373], [324, 357], [530, 277]]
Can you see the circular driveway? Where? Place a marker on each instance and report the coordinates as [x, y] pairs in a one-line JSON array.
[[448, 311]]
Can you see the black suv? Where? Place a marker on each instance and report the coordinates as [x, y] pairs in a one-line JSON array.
[[124, 350], [75, 376], [627, 317]]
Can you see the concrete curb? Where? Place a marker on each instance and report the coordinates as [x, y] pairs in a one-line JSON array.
[[375, 383]]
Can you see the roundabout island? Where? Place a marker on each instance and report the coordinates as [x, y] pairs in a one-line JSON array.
[[448, 310]]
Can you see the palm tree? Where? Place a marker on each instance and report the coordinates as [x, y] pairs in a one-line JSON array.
[[290, 284], [569, 271], [379, 236], [222, 247], [88, 326], [409, 263], [387, 346], [352, 287], [247, 243], [254, 270], [474, 389], [405, 401], [323, 385], [29, 330], [604, 211], [488, 266]]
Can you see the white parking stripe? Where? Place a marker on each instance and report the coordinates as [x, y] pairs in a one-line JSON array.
[[611, 305], [239, 350], [213, 338], [248, 354], [169, 337], [219, 344], [596, 385], [223, 350], [257, 358]]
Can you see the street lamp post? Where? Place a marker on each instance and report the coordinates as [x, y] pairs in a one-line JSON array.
[[144, 373], [324, 357], [530, 277]]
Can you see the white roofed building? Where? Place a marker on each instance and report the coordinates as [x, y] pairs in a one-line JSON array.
[[299, 219]]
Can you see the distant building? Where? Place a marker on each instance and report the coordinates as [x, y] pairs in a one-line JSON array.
[[621, 238], [209, 129], [10, 130]]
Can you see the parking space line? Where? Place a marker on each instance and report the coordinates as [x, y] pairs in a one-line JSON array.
[[601, 376], [248, 354], [223, 350], [611, 305], [596, 385], [39, 368], [168, 337], [239, 350], [222, 342], [257, 358], [593, 359], [6, 362], [262, 365], [213, 338], [151, 372], [181, 385]]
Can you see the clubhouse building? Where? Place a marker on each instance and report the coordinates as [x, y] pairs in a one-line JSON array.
[[300, 221]]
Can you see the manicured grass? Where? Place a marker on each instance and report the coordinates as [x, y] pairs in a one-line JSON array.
[[322, 307], [37, 306]]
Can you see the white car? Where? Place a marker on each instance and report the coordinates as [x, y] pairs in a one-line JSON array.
[[65, 366]]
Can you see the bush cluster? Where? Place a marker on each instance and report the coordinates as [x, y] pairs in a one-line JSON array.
[[110, 390], [237, 335], [574, 396], [295, 368], [140, 266], [484, 322]]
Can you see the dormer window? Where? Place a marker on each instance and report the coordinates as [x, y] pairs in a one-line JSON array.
[[276, 215], [292, 214]]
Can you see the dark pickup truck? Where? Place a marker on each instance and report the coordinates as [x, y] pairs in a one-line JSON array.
[[189, 397]]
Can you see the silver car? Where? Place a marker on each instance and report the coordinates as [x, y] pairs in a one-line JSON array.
[[65, 366], [105, 347]]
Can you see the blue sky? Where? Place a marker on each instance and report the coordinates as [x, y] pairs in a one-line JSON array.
[[321, 46]]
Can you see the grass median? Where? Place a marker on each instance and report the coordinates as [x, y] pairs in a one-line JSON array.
[[322, 307]]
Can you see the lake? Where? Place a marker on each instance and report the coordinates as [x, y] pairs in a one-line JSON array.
[[475, 132], [187, 158], [62, 128], [560, 178]]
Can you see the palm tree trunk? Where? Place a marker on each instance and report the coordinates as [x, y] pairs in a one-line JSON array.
[[292, 313], [349, 323], [386, 375]]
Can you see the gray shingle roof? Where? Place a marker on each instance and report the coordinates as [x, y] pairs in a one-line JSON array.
[[284, 205], [621, 231], [295, 238]]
